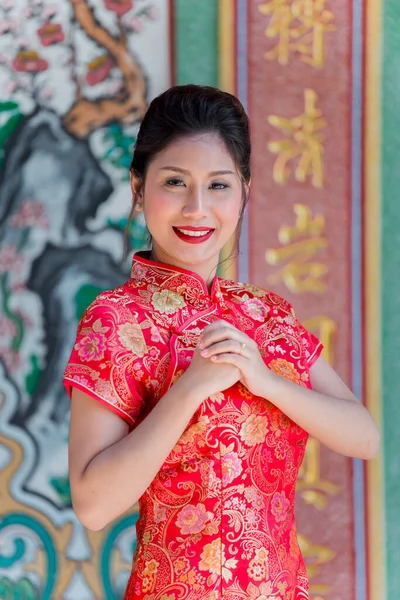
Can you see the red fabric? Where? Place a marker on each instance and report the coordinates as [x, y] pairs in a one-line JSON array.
[[218, 519]]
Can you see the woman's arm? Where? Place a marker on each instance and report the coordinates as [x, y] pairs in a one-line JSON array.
[[329, 412], [110, 468]]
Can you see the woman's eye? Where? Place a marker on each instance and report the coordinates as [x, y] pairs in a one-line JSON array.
[[217, 185], [174, 182]]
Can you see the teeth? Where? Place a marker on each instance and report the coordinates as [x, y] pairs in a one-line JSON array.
[[193, 233]]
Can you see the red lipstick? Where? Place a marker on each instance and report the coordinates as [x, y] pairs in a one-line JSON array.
[[191, 239]]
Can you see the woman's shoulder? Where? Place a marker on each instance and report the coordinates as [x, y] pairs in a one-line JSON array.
[[118, 300], [248, 291]]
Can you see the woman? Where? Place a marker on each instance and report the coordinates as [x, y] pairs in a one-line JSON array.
[[195, 395]]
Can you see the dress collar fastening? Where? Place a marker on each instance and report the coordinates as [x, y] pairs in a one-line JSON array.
[[174, 282]]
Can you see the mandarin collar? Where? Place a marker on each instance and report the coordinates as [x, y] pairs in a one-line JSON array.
[[190, 285]]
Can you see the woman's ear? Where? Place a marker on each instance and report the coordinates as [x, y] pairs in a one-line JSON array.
[[245, 194], [136, 187], [248, 185], [136, 183]]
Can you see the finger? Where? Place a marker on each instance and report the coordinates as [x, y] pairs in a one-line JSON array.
[[217, 325], [218, 335], [232, 359], [223, 347]]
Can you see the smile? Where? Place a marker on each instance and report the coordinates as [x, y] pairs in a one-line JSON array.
[[193, 236]]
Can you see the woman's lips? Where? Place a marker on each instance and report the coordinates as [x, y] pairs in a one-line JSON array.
[[204, 234]]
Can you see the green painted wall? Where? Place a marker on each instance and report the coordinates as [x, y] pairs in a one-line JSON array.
[[390, 287], [196, 41]]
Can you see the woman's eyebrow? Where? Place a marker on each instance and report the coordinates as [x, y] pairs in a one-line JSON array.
[[212, 173]]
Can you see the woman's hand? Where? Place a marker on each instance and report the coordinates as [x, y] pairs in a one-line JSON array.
[[205, 379], [224, 344]]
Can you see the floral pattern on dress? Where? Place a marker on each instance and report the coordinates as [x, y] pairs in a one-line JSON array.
[[218, 519]]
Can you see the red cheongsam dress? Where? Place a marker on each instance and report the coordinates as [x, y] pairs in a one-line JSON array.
[[217, 522]]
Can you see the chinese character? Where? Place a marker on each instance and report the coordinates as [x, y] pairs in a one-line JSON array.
[[299, 274], [303, 141], [300, 27]]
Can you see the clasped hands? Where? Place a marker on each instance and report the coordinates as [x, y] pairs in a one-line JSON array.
[[221, 342]]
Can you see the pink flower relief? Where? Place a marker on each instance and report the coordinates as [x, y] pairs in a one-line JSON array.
[[7, 328], [10, 260], [67, 58], [91, 346], [29, 61], [152, 13], [22, 42], [231, 467], [46, 94], [12, 360], [27, 321], [49, 11], [24, 82], [51, 33], [31, 213], [136, 24], [115, 86], [17, 286], [119, 7], [279, 506], [99, 69], [8, 4], [8, 25], [10, 87], [192, 519]]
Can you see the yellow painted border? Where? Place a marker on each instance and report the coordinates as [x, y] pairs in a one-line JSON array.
[[226, 59], [226, 63], [372, 183]]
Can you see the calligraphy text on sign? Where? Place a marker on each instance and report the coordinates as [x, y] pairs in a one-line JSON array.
[[298, 27]]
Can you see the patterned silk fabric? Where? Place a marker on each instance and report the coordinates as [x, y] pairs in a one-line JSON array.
[[218, 519]]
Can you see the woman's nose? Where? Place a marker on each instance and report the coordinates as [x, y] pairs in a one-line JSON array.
[[195, 203]]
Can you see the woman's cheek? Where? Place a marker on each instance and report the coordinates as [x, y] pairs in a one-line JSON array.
[[159, 207]]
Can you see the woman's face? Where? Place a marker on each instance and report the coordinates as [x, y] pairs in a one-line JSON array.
[[192, 199]]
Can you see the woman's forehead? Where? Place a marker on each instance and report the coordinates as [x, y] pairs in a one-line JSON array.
[[202, 151]]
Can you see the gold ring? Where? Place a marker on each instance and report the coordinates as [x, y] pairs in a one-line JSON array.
[[242, 347]]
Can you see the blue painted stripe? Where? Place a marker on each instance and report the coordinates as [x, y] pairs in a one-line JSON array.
[[356, 195], [241, 74]]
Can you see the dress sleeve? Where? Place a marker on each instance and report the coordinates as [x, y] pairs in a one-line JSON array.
[[311, 344], [103, 361]]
